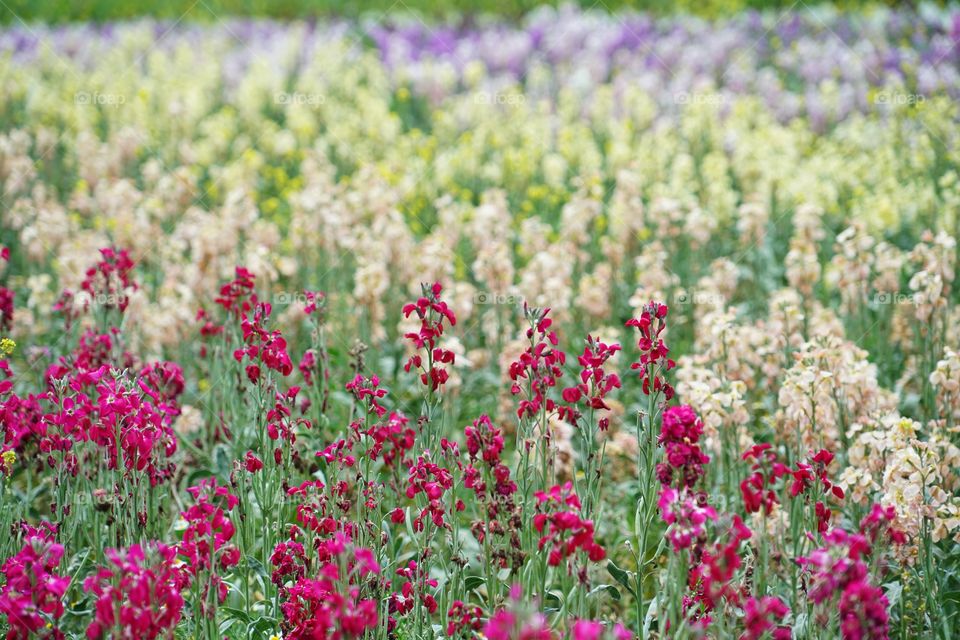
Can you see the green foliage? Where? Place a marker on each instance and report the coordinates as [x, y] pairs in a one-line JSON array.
[[13, 11]]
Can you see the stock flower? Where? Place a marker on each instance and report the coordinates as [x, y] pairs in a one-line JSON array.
[[238, 297], [252, 463], [109, 283], [679, 436], [840, 581], [464, 620], [685, 515], [137, 593], [416, 586], [266, 348], [32, 597], [763, 616], [878, 526], [594, 383], [392, 440], [332, 604], [517, 622], [804, 474], [367, 392], [757, 489], [563, 530], [592, 630], [206, 540], [653, 361], [540, 365], [711, 578], [432, 312], [431, 480]]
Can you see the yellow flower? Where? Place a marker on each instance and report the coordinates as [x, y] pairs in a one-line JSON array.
[[7, 346]]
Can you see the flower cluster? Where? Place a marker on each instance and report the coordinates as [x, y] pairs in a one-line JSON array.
[[32, 597], [595, 383], [757, 488], [206, 545], [538, 367], [329, 603], [683, 459], [839, 578], [433, 313], [137, 594], [562, 530], [653, 362]]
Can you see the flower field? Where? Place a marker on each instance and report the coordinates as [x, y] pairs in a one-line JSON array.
[[585, 325]]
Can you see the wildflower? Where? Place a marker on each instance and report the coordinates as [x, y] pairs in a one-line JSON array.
[[562, 529], [464, 620], [685, 516], [653, 360], [316, 300], [237, 297], [137, 593], [416, 586], [263, 348], [332, 605], [205, 544], [878, 524], [367, 391], [757, 489], [108, 283], [432, 312], [32, 597], [540, 365], [839, 580], [679, 436], [431, 480], [763, 616], [594, 383], [252, 463], [517, 622], [593, 630]]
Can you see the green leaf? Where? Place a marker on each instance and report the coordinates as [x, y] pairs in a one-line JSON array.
[[609, 588], [472, 582], [257, 566], [621, 576], [232, 613]]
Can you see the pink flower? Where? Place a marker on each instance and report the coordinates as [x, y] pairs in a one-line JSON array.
[[685, 516], [679, 436], [33, 594], [562, 529], [137, 592], [433, 312], [653, 362], [763, 616], [539, 366], [595, 383], [252, 462], [205, 544]]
